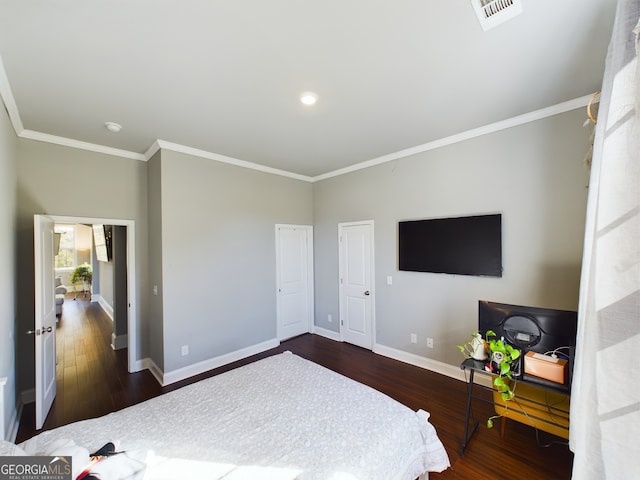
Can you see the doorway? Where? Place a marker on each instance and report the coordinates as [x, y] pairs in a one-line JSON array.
[[129, 303], [356, 272]]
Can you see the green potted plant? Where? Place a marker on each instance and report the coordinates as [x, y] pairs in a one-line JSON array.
[[499, 357], [82, 274]]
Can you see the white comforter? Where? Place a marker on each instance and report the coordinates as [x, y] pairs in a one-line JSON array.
[[281, 417]]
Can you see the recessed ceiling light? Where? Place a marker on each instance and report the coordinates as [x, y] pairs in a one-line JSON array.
[[309, 98], [113, 127]]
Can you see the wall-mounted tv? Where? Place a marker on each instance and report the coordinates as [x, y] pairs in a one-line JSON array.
[[102, 241], [460, 245]]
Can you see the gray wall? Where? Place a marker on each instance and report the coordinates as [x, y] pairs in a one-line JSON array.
[[8, 158], [120, 285], [64, 181], [218, 254], [156, 318], [533, 174], [112, 280], [105, 271]]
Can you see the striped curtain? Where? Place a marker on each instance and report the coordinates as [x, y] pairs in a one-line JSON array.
[[605, 397]]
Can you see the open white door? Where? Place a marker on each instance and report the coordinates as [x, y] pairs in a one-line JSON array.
[[294, 280], [356, 282], [45, 317]]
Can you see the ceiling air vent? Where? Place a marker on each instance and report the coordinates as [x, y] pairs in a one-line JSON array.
[[492, 13]]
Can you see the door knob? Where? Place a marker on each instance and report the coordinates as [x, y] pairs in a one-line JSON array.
[[38, 331], [367, 293]]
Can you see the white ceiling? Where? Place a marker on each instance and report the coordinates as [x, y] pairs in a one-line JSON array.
[[224, 76]]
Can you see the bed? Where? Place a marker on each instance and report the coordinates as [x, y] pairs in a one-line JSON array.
[[282, 417]]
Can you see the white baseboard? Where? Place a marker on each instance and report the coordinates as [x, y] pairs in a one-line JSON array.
[[429, 364], [156, 371], [323, 332], [173, 376], [412, 359], [108, 309], [140, 365]]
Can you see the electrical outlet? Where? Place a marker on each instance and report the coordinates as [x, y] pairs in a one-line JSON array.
[[430, 342], [329, 318], [185, 350], [414, 338]]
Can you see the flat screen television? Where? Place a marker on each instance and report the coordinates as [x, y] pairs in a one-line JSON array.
[[542, 330], [459, 245]]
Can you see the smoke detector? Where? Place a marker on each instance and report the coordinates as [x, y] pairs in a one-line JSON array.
[[113, 127], [492, 13]]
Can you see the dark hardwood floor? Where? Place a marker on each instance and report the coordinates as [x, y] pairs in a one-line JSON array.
[[93, 381]]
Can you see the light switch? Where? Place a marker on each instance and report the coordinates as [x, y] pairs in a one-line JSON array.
[[389, 280]]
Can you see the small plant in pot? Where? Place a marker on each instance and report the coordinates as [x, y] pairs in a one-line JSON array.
[[498, 356], [82, 274]]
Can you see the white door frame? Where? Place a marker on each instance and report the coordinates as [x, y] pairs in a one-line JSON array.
[[341, 267], [134, 365], [310, 284]]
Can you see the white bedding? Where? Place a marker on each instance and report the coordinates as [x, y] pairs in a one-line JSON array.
[[281, 417]]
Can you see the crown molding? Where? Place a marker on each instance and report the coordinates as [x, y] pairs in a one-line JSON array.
[[442, 142], [174, 147], [9, 100], [152, 150], [467, 135], [69, 142]]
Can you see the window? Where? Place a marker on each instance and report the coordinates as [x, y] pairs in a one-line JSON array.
[[66, 255]]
